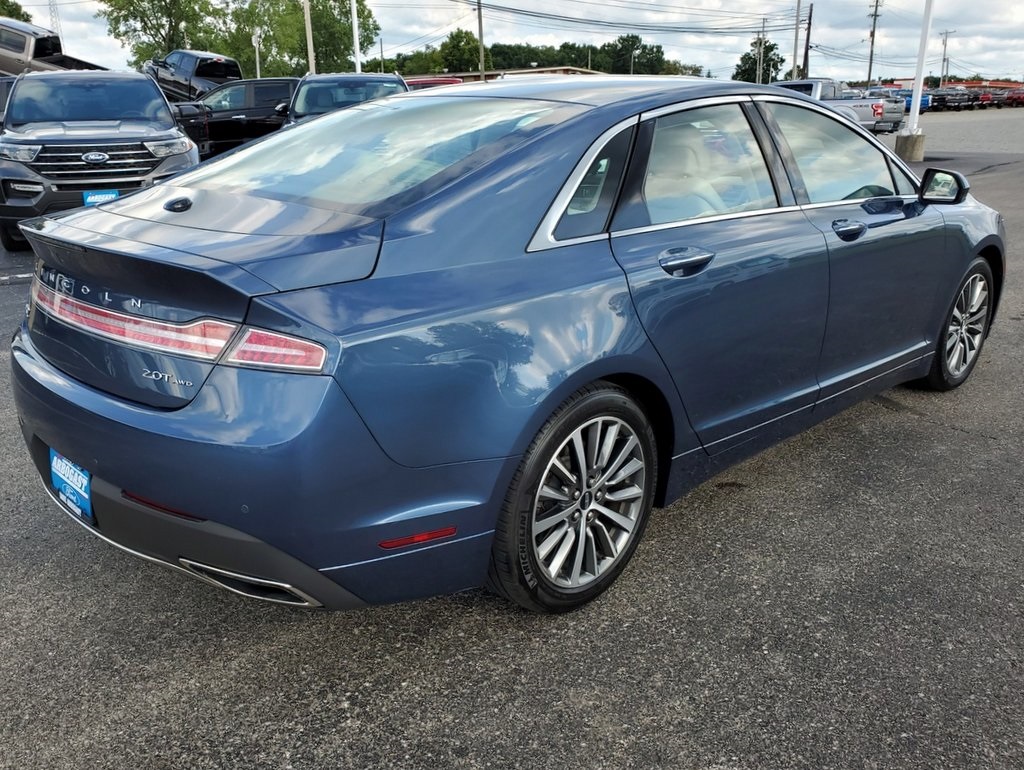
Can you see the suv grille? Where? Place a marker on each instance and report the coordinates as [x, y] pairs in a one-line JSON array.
[[64, 161]]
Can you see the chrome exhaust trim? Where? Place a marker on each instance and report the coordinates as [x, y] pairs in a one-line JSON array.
[[293, 596]]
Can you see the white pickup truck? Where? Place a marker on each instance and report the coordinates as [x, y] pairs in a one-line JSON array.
[[880, 114]]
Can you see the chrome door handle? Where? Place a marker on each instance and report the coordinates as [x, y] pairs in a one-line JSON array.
[[238, 117], [685, 260], [849, 229]]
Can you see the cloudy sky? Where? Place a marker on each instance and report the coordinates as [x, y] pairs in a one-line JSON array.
[[712, 33]]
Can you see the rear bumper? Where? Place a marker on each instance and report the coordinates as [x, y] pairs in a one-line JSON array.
[[278, 480]]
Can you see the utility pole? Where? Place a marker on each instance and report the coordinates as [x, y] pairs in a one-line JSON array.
[[355, 36], [309, 38], [796, 40], [480, 31], [760, 52], [807, 44], [944, 71], [382, 55], [871, 51]]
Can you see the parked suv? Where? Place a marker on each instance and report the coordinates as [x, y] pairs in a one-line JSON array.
[[81, 138], [188, 75], [320, 94]]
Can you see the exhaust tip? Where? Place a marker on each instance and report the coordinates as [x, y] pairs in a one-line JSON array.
[[250, 586]]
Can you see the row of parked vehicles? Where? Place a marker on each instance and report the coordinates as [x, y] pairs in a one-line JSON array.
[[77, 134]]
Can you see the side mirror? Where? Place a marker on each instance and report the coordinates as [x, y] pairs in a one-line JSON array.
[[187, 110], [282, 109], [948, 187], [158, 62]]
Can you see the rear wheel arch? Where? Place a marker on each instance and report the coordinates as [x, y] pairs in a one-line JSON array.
[[994, 256]]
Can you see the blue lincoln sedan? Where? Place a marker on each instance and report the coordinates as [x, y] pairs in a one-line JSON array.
[[471, 336]]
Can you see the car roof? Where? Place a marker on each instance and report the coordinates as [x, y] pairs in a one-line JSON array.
[[207, 54], [87, 75], [26, 28], [360, 76], [636, 91]]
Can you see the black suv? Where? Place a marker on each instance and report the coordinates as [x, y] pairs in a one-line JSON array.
[[243, 110]]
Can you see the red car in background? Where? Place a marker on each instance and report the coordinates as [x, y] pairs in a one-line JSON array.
[[416, 84]]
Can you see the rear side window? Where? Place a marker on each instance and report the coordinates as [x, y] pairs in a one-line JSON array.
[[218, 69], [47, 46], [591, 203], [834, 162], [12, 41], [703, 162], [376, 157]]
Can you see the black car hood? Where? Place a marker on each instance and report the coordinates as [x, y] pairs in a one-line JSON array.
[[286, 245]]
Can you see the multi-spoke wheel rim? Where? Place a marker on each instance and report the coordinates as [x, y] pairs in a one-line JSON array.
[[966, 329], [589, 502]]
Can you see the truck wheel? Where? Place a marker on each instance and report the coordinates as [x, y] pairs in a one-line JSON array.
[[12, 239]]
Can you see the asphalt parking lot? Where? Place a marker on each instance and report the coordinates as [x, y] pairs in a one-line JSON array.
[[853, 598]]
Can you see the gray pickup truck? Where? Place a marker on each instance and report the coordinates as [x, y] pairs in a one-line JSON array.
[[879, 114], [27, 48]]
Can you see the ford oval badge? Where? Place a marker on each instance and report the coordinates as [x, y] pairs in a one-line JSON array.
[[95, 157]]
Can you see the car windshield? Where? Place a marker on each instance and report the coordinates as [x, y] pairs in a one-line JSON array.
[[218, 69], [41, 100], [315, 97], [375, 158]]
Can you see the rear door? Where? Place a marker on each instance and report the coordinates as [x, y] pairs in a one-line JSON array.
[[887, 251], [228, 120], [728, 277]]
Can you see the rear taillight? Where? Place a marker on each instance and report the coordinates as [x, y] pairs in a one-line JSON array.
[[878, 110], [270, 350], [204, 339]]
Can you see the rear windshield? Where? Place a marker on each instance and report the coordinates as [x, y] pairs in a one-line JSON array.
[[315, 97], [375, 158], [42, 100], [47, 46], [218, 69]]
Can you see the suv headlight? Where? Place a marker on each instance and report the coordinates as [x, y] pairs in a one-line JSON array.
[[26, 153], [169, 147]]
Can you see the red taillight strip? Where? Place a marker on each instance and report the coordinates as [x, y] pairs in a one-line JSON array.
[[199, 339], [266, 349], [420, 537]]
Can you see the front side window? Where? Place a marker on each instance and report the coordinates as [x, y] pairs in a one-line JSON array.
[[835, 162], [230, 98], [702, 162], [271, 93]]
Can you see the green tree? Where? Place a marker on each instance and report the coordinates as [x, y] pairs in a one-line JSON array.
[[425, 61], [153, 27], [771, 63], [13, 10], [629, 53], [673, 67], [460, 51]]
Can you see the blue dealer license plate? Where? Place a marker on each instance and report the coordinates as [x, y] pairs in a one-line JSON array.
[[96, 197], [71, 484]]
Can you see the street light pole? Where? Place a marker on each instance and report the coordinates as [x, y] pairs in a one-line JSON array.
[[309, 38], [256, 45]]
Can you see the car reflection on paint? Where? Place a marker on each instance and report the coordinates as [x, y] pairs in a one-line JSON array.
[[471, 336]]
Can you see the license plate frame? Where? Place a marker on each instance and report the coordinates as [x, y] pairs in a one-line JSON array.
[[73, 485], [96, 197]]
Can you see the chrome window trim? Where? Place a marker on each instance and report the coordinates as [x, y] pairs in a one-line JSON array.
[[832, 204], [694, 104], [544, 237], [830, 114], [704, 220]]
